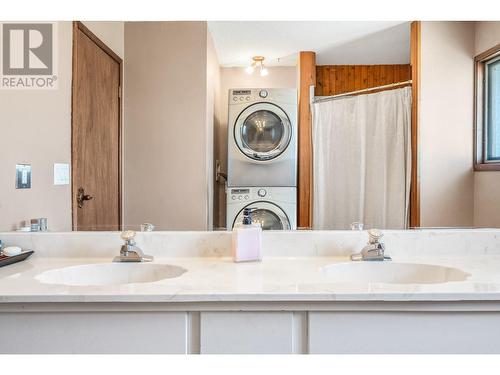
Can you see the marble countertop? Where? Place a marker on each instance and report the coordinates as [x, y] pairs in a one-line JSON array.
[[274, 279]]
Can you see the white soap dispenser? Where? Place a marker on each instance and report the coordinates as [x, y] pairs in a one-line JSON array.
[[246, 244]]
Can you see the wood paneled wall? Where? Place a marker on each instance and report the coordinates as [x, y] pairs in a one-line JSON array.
[[339, 79]]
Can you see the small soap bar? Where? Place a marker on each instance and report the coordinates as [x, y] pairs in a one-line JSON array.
[[12, 250]]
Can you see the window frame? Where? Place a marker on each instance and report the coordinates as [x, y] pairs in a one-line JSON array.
[[481, 162]]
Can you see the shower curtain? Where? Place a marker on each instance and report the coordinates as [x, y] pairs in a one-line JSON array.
[[362, 160]]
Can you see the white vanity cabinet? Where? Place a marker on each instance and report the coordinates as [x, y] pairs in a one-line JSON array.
[[146, 328], [246, 332], [404, 332], [242, 328], [93, 332]]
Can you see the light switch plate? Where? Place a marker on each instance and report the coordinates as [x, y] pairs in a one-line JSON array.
[[61, 174], [23, 176]]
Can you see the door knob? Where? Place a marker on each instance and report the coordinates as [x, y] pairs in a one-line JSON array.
[[82, 197]]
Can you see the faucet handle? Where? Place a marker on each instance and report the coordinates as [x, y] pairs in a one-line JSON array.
[[128, 236], [374, 235]]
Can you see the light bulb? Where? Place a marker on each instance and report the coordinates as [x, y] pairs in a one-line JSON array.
[[264, 72], [249, 69]]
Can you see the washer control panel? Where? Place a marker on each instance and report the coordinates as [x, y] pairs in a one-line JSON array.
[[240, 194], [248, 194], [243, 96]]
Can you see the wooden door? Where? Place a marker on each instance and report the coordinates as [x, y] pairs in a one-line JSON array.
[[96, 116]]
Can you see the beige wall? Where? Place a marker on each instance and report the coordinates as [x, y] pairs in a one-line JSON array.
[[166, 130], [446, 100], [487, 36], [279, 77], [36, 129], [487, 199], [486, 184]]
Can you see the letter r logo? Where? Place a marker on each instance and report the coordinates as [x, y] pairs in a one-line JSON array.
[[27, 49]]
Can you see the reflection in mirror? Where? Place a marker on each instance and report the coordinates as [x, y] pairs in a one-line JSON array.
[[182, 125]]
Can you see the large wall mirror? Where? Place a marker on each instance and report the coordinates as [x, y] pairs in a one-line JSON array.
[[313, 125]]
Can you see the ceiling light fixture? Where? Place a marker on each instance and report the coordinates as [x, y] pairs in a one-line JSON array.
[[258, 62]]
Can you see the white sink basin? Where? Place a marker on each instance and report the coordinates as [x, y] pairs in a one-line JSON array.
[[392, 273], [110, 274]]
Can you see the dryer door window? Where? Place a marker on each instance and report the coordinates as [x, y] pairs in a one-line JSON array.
[[270, 216], [262, 131]]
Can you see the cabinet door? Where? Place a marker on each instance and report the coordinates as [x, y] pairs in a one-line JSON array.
[[93, 332], [375, 332], [246, 332]]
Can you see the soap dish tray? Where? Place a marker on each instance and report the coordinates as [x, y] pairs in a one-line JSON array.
[[6, 260]]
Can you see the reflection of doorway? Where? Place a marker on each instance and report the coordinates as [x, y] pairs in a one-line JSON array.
[[96, 133]]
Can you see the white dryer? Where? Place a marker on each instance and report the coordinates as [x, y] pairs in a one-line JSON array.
[[273, 207], [262, 137]]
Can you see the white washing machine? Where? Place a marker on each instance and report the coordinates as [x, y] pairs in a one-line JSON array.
[[274, 207], [262, 137]]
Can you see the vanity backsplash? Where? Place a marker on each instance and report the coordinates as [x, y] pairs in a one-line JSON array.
[[435, 242]]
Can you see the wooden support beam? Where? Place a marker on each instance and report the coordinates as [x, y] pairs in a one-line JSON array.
[[307, 78], [415, 76]]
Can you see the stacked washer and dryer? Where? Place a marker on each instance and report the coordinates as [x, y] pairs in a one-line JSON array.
[[262, 157]]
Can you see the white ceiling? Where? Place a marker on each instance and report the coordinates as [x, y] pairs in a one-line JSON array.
[[335, 42]]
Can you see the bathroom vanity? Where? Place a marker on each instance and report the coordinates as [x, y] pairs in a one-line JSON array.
[[439, 294]]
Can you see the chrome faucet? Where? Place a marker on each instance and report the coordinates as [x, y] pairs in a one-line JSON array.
[[129, 252], [374, 249]]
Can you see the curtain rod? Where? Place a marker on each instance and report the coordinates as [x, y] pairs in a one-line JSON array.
[[318, 99]]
